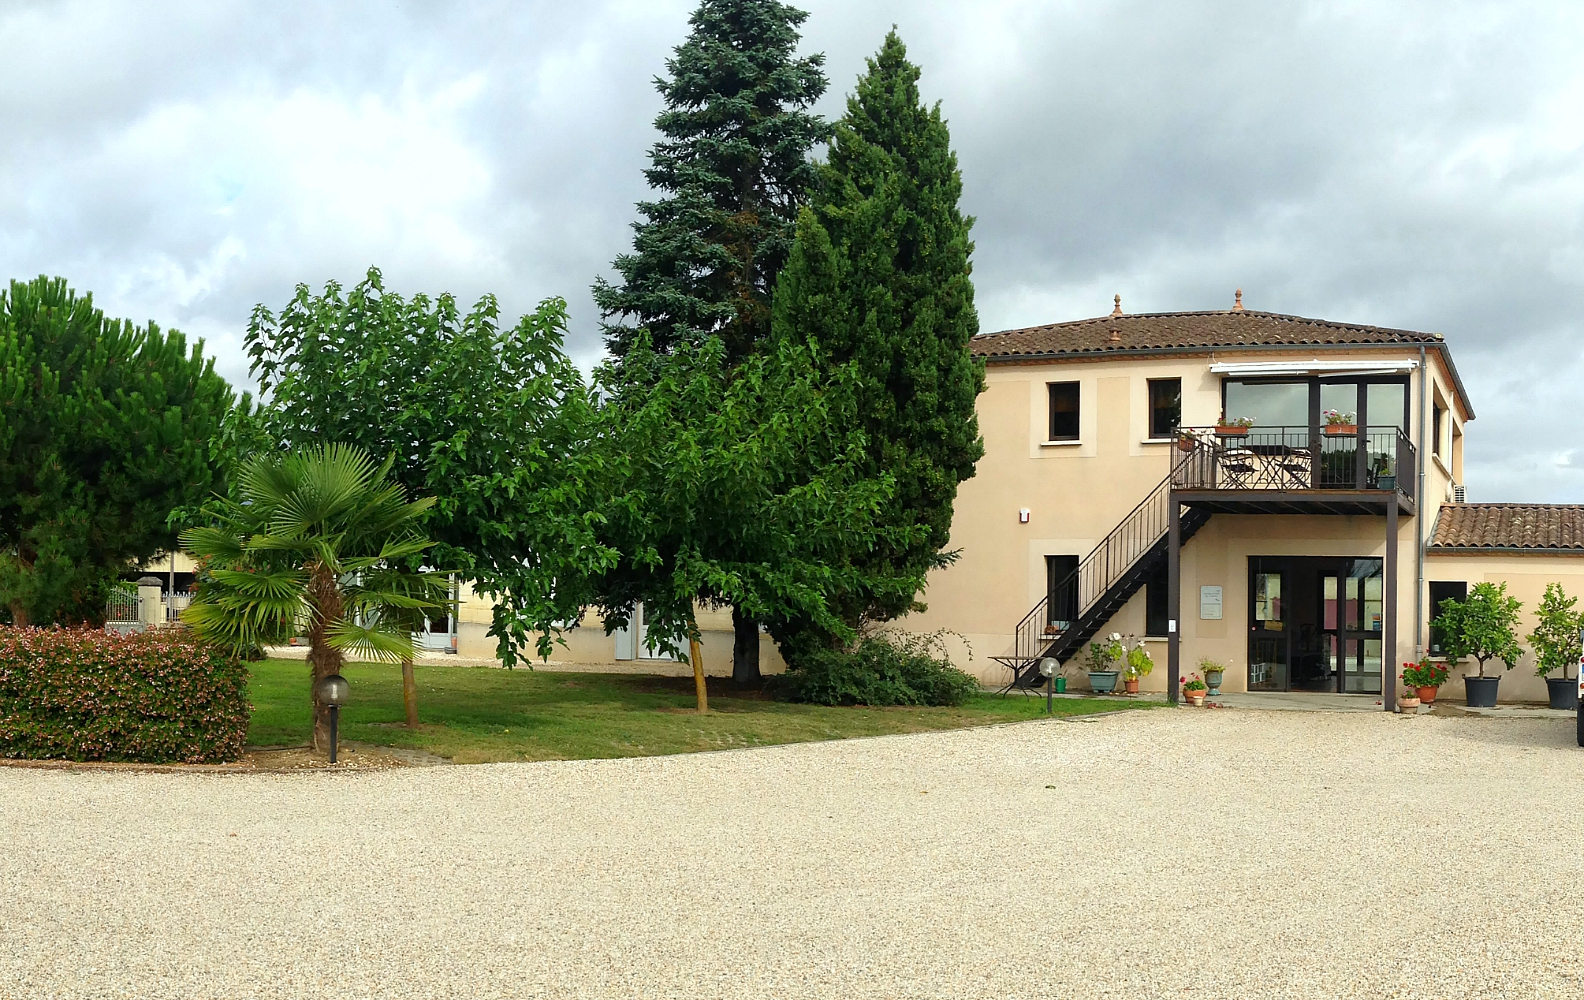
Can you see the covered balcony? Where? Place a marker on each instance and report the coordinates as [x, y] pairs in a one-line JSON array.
[[1340, 468]]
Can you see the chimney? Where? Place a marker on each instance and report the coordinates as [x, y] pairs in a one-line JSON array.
[[1237, 301], [1117, 310]]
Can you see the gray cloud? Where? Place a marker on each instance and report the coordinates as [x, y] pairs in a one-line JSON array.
[[1405, 165]]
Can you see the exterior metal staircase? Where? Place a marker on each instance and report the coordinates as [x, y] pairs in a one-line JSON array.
[[1104, 581]]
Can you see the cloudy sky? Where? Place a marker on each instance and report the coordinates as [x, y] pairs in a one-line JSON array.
[[1401, 164]]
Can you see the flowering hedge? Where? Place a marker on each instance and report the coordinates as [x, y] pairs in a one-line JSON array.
[[158, 697]]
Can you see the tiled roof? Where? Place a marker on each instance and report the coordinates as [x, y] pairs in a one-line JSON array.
[[1158, 331], [1473, 526]]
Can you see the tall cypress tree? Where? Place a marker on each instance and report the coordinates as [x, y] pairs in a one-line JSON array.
[[880, 280], [732, 168]]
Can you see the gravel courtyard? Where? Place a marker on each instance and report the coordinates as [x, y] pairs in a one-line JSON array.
[[1179, 854]]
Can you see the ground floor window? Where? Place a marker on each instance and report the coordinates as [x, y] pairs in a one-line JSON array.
[[1315, 624], [1440, 591], [1061, 590], [1156, 594]]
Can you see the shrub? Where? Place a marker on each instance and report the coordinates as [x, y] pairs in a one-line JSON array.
[[158, 697], [880, 670]]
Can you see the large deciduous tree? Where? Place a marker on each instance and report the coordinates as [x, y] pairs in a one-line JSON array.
[[879, 282], [731, 170], [105, 428], [708, 497], [489, 420], [321, 542]]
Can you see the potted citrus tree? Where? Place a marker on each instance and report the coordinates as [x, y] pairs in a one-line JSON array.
[[1483, 626], [1138, 664], [1556, 644], [1103, 658]]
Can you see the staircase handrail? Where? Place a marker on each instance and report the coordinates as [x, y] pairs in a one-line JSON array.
[[1130, 540]]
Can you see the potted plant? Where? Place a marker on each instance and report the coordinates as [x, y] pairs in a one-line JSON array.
[[1556, 644], [1139, 664], [1234, 427], [1103, 657], [1340, 422], [1193, 690], [1383, 475], [1212, 675], [1483, 626], [1424, 677]]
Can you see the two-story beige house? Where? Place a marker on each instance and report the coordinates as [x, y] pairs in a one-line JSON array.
[[1262, 490], [1309, 549]]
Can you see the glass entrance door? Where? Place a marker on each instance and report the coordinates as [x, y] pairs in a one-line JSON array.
[[1351, 620], [1267, 629], [1315, 624]]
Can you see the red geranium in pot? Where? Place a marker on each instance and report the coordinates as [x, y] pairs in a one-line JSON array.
[[1424, 677]]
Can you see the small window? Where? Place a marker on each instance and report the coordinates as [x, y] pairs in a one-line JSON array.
[[1438, 429], [1165, 403], [1061, 589], [1157, 591], [1442, 591], [1063, 411]]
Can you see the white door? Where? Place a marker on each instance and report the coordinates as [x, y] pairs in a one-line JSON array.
[[440, 627], [633, 642]]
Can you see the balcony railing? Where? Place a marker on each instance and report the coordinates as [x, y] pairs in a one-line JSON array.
[[1293, 458]]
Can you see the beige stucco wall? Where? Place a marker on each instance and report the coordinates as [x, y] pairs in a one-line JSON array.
[[588, 643], [1526, 576], [1077, 492]]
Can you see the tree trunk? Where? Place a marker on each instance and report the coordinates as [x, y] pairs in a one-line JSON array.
[[19, 615], [410, 693], [745, 649], [324, 600], [697, 656]]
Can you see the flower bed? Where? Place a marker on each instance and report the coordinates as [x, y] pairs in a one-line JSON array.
[[158, 697]]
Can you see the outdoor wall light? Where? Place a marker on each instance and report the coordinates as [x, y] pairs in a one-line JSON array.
[[332, 691], [1023, 515], [1047, 668]]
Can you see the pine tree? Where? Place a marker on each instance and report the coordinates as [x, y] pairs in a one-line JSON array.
[[105, 429], [733, 168], [880, 280]]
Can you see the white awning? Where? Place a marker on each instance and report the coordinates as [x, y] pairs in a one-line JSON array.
[[1257, 369]]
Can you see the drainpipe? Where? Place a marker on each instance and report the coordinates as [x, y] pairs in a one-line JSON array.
[[1419, 544]]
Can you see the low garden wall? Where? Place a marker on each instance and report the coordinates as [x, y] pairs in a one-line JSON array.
[[153, 697]]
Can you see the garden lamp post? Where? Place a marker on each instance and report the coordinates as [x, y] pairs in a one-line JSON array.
[[332, 691], [1048, 670]]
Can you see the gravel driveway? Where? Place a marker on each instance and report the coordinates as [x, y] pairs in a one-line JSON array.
[[1180, 853]]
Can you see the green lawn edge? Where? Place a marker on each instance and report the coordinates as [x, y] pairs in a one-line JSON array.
[[475, 715]]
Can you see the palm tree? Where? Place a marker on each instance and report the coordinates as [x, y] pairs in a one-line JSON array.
[[319, 542]]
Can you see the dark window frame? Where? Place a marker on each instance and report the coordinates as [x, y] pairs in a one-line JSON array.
[[1157, 603], [1156, 432], [1076, 389], [1443, 590], [1058, 569], [1315, 381]]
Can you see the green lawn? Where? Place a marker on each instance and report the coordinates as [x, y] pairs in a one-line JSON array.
[[479, 714]]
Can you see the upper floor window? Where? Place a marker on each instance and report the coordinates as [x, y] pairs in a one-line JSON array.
[[1438, 431], [1165, 406], [1063, 411]]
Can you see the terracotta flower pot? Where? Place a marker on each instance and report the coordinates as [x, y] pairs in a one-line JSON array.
[[1225, 431], [1426, 694], [1341, 428], [1186, 444], [1130, 685]]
